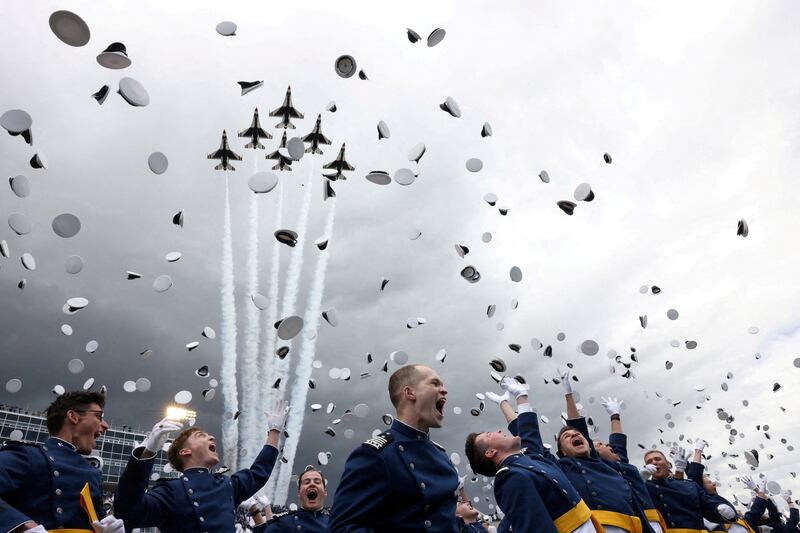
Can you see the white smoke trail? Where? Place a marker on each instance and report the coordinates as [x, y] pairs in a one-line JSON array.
[[230, 430], [251, 421], [297, 403], [266, 368], [281, 366]]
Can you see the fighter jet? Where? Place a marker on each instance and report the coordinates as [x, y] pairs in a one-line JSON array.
[[316, 138], [224, 154], [255, 133], [339, 165], [286, 112], [284, 160]]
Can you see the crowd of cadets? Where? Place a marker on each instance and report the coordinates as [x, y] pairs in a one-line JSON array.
[[398, 481]]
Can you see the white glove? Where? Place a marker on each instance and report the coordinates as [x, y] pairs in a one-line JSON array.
[[651, 469], [498, 398], [700, 444], [565, 381], [276, 415], [765, 529], [37, 529], [762, 485], [160, 434], [786, 495], [514, 387], [726, 511], [259, 502], [749, 483], [679, 458], [646, 474], [461, 483], [612, 405], [109, 524]]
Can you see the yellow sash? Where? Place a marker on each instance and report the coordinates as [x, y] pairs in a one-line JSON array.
[[654, 516], [575, 517], [622, 521], [88, 505]]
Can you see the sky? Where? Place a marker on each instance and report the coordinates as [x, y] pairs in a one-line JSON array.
[[695, 103]]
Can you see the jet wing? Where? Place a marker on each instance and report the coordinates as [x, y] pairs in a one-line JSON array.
[[217, 154], [294, 113], [232, 155]]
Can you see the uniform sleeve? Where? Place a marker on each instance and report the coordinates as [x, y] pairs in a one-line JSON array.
[[360, 498], [14, 467], [709, 503], [519, 498], [272, 526], [527, 427], [135, 506], [247, 482], [619, 445], [794, 519], [694, 471], [753, 516]]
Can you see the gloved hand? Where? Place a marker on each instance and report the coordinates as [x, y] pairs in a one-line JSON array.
[[647, 472], [748, 482], [160, 434], [762, 485], [37, 529], [786, 495], [652, 469], [461, 483], [258, 501], [700, 444], [726, 511], [680, 459], [765, 529], [498, 398], [565, 381], [109, 524], [612, 405], [276, 415], [514, 387]]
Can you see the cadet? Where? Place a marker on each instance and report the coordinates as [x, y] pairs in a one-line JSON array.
[[682, 503], [694, 472], [615, 454], [199, 500], [52, 485], [311, 516], [603, 488], [529, 484], [400, 480]]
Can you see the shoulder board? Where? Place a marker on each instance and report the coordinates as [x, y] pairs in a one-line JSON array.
[[12, 444], [278, 516], [438, 445], [502, 471], [379, 442]]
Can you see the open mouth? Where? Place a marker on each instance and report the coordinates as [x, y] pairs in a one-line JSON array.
[[577, 442], [312, 494], [97, 435], [440, 406], [212, 448]]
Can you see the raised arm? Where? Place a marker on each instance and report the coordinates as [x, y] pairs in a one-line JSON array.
[[572, 408], [617, 440], [132, 502], [694, 470], [360, 499], [526, 426], [519, 498], [247, 482], [759, 503]]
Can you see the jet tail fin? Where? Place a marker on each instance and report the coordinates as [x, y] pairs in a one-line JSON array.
[[254, 145], [224, 166]]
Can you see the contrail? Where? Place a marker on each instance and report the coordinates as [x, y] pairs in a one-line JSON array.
[[297, 405], [266, 369], [251, 420], [281, 366], [230, 430]]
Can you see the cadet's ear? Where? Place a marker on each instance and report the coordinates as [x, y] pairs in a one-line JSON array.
[[72, 416], [408, 393], [490, 453], [184, 452]]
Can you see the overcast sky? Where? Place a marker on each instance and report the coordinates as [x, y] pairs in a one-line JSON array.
[[696, 103]]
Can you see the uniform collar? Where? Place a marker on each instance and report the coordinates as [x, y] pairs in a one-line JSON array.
[[61, 443], [409, 431], [196, 470]]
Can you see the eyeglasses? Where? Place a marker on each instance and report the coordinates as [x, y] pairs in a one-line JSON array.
[[97, 412]]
